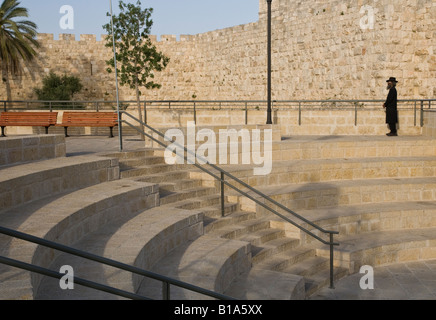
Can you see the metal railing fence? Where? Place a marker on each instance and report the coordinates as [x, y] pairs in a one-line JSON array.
[[417, 105]]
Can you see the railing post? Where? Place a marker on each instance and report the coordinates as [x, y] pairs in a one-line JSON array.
[[355, 114], [299, 113], [166, 291], [222, 195], [195, 113], [145, 112], [246, 112], [422, 113], [332, 286], [414, 115]]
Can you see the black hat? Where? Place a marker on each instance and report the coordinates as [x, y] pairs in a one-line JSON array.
[[393, 79]]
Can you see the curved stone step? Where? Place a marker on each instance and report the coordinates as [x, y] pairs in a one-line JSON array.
[[66, 219], [208, 262], [259, 284], [24, 183], [383, 247], [326, 170], [299, 197], [363, 218], [216, 222], [169, 197], [138, 241], [301, 147]]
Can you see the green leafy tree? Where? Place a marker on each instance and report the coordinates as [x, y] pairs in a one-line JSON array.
[[137, 58], [58, 88], [17, 40]]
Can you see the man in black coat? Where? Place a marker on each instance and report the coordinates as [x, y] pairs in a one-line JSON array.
[[391, 107]]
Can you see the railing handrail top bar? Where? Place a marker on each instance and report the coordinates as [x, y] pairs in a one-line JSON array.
[[209, 101]]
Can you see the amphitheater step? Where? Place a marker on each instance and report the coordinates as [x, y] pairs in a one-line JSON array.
[[167, 197], [215, 222], [301, 147], [383, 247], [321, 279], [24, 183], [65, 219], [326, 170], [364, 218], [180, 184], [137, 240], [145, 170], [208, 262], [165, 177], [259, 284], [348, 192]]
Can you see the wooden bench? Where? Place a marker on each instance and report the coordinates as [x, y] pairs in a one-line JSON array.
[[27, 119], [89, 119]]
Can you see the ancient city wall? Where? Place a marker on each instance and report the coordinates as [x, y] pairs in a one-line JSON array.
[[321, 50]]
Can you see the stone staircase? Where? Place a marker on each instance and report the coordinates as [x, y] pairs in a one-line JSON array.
[[378, 192], [266, 240]]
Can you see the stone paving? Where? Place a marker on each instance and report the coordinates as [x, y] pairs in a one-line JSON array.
[[403, 281]]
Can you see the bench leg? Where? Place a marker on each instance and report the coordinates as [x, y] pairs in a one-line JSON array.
[[3, 132], [66, 132], [112, 132], [46, 130]]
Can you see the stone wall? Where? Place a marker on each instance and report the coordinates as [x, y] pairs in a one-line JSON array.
[[21, 149], [321, 50]]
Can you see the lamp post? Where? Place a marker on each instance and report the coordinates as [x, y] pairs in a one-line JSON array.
[[120, 135], [269, 111]]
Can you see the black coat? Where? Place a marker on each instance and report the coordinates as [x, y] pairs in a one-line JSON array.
[[391, 106]]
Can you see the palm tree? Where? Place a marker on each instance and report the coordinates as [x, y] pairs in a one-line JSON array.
[[17, 40]]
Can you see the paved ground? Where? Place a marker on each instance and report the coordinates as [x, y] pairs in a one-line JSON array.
[[404, 281], [81, 145]]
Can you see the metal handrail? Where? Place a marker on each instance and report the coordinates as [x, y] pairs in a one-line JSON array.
[[166, 281], [80, 281], [196, 103], [223, 182]]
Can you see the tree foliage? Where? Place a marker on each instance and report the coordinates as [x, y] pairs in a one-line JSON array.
[[137, 57], [58, 88], [17, 40]]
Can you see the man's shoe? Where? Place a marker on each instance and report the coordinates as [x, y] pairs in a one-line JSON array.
[[390, 134]]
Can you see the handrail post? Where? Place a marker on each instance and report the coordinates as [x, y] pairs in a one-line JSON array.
[[222, 195], [422, 113], [414, 115], [332, 286], [166, 295], [355, 114], [246, 112], [299, 113], [195, 113], [145, 112]]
